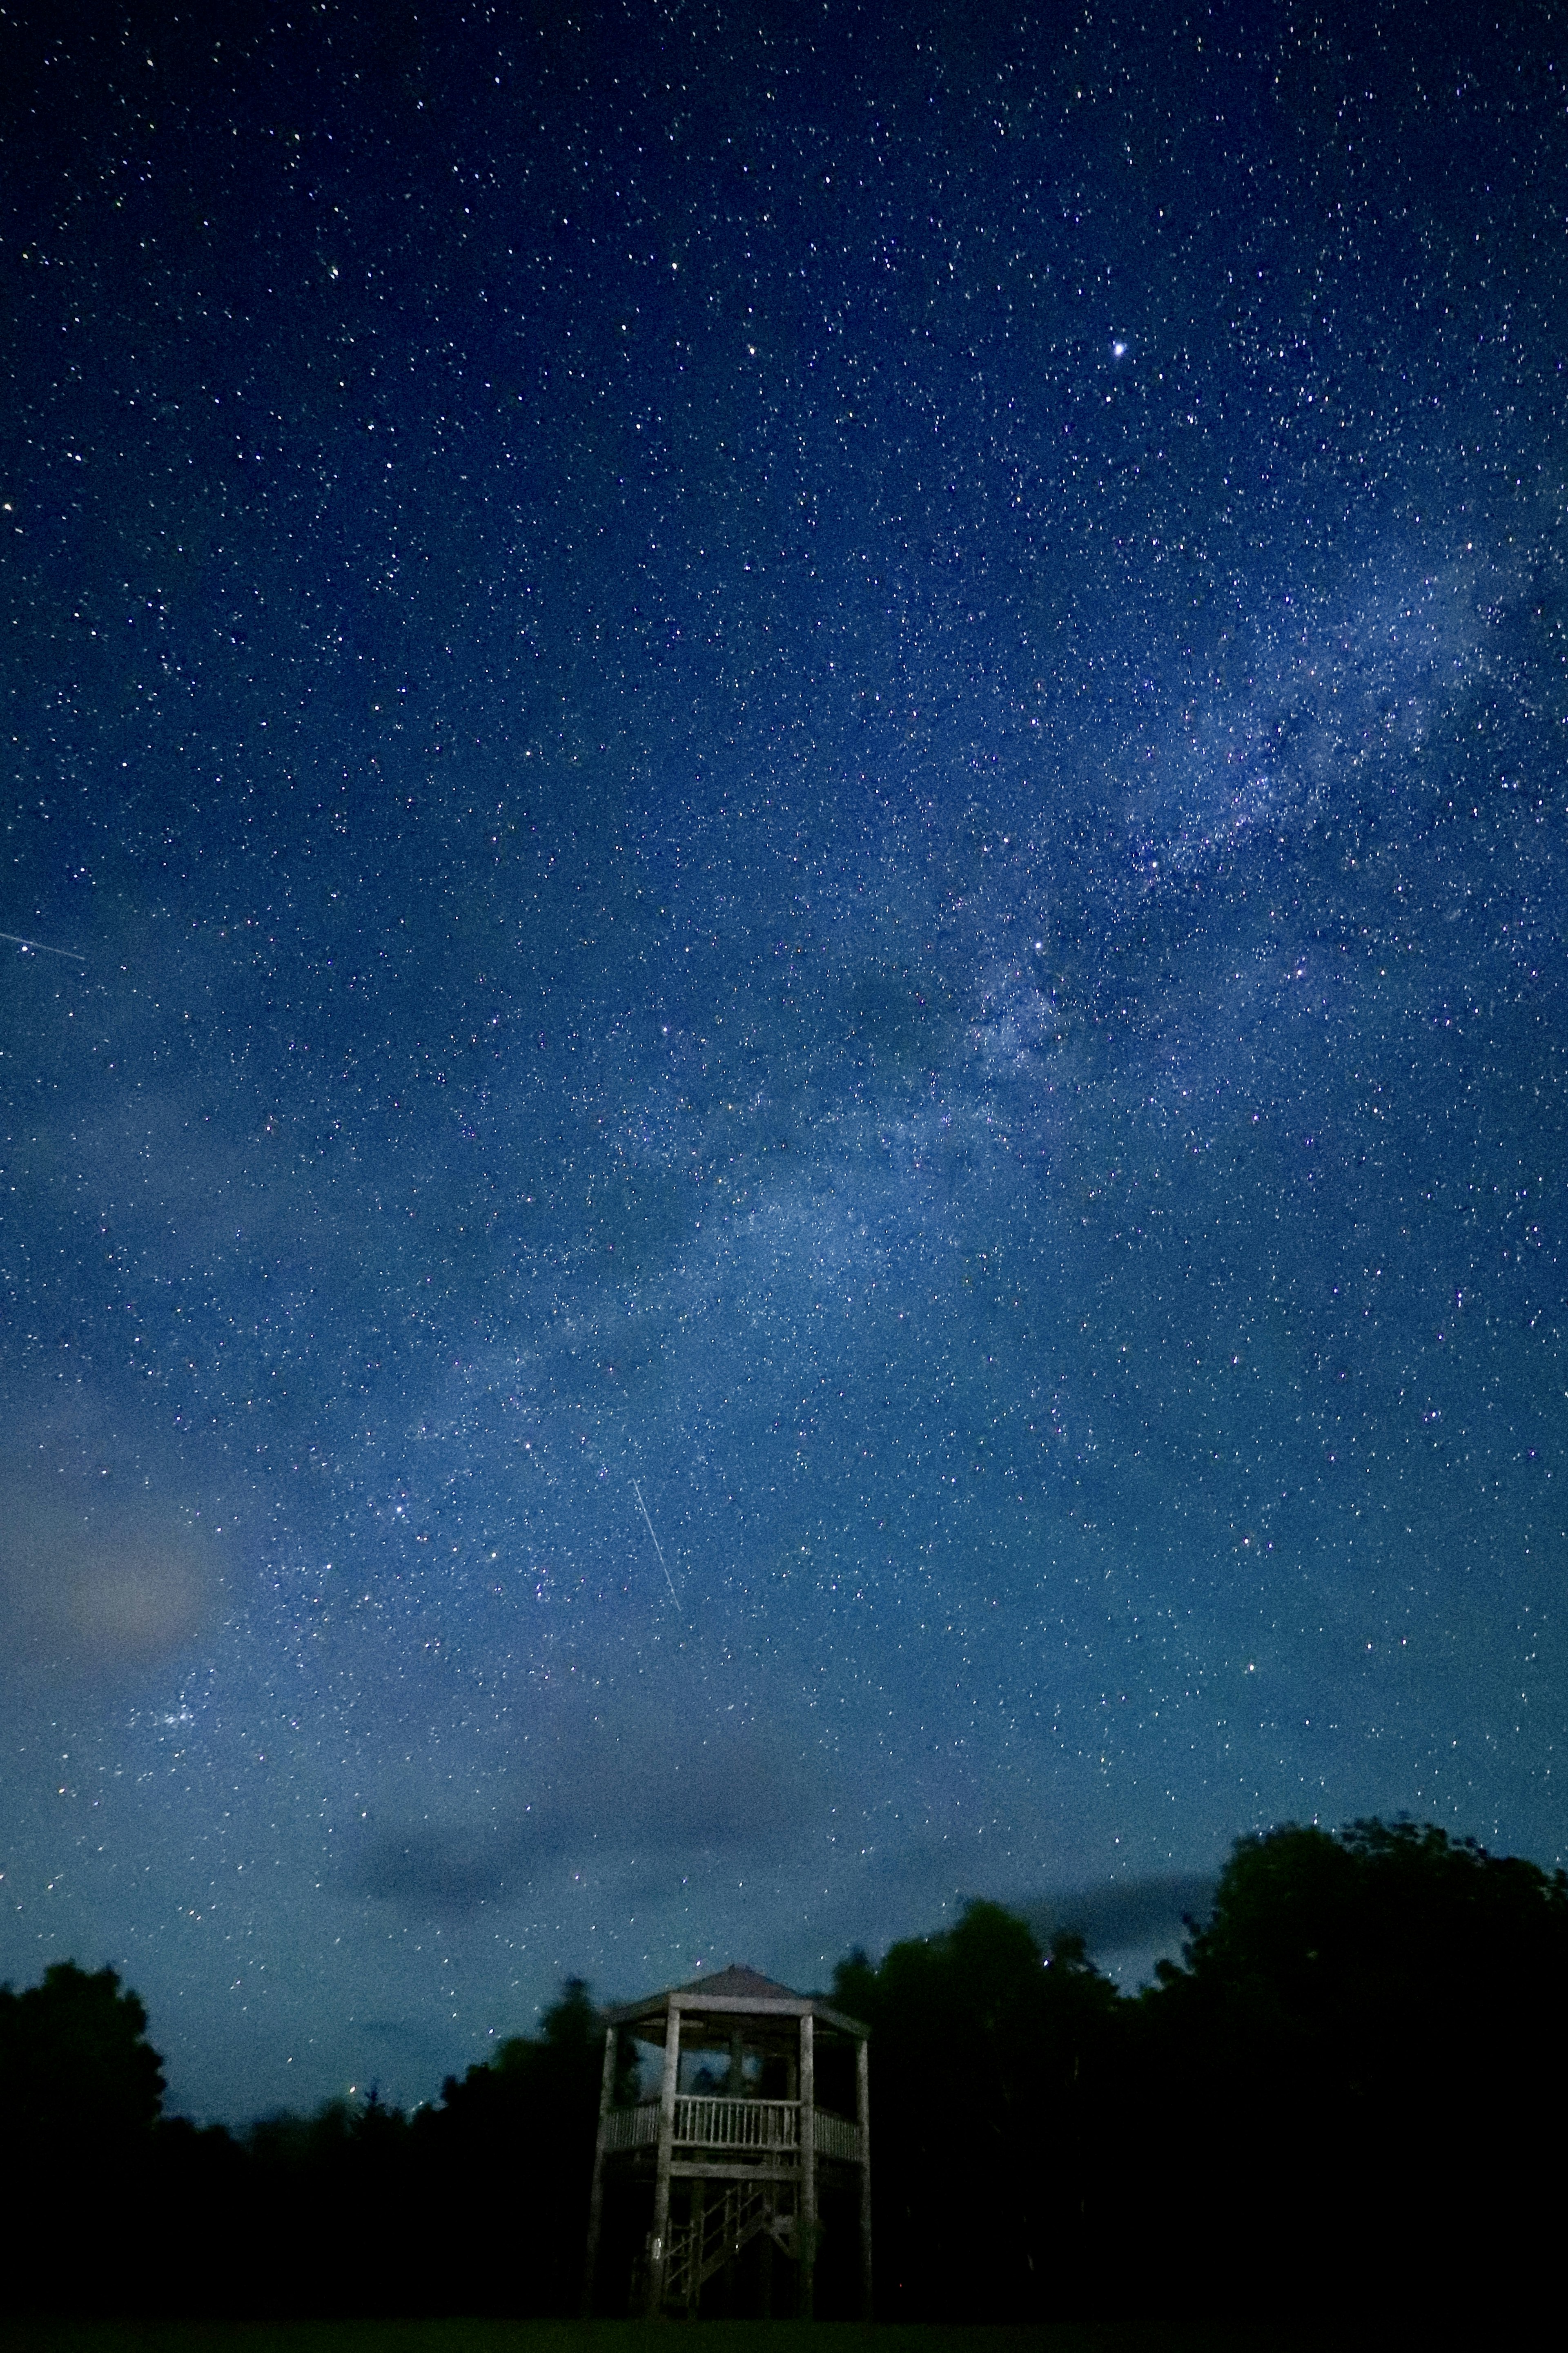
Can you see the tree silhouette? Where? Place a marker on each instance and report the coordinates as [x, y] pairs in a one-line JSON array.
[[507, 2156], [75, 2063], [987, 2057], [1368, 2027], [81, 2093]]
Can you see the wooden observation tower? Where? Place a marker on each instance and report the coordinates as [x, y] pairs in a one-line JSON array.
[[740, 2184]]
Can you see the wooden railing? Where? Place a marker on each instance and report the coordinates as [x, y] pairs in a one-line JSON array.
[[836, 2136], [701, 2123], [632, 2128], [706, 2123]]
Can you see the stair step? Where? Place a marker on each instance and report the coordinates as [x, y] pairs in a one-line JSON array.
[[725, 2227]]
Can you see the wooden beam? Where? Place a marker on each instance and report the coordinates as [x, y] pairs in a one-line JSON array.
[[596, 2194], [658, 2253], [807, 2249], [863, 2118], [681, 2171], [694, 2269], [841, 2020]]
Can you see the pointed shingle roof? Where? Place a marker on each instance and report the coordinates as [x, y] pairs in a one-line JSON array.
[[741, 1982], [739, 1989]]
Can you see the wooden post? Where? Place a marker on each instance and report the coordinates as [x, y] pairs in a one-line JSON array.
[[694, 2269], [732, 2251], [863, 2118], [658, 2252], [596, 2195], [807, 2162]]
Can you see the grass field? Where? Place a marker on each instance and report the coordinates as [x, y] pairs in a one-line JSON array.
[[642, 2336]]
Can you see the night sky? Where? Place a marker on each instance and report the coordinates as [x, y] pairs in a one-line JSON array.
[[783, 1020]]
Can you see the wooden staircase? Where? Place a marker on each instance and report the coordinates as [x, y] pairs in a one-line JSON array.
[[717, 2233]]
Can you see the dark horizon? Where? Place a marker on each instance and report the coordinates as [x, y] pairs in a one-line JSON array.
[[1369, 2018]]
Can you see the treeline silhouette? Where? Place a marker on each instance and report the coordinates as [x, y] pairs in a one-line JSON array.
[[1348, 2095]]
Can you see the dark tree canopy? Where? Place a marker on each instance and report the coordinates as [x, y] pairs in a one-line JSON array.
[[1364, 1947], [1360, 2047], [75, 2063], [1309, 1919], [983, 2049]]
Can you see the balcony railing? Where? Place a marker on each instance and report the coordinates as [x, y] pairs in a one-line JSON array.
[[705, 2123], [836, 2136], [702, 2123], [632, 2128]]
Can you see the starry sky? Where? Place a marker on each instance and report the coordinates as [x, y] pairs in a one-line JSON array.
[[783, 1016]]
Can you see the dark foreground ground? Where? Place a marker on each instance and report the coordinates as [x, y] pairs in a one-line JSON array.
[[633, 2337]]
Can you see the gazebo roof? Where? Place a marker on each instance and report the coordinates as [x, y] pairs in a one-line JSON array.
[[739, 1991], [742, 1983]]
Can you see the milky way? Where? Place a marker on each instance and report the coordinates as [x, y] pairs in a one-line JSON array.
[[808, 1151]]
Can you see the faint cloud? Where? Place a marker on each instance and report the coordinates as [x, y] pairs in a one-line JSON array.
[[98, 1586], [643, 1795], [1126, 1916]]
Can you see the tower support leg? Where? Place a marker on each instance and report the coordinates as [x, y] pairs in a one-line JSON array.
[[596, 2195], [808, 2224], [863, 2118], [658, 2249]]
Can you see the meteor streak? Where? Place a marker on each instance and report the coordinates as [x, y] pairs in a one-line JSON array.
[[42, 947], [656, 1546]]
